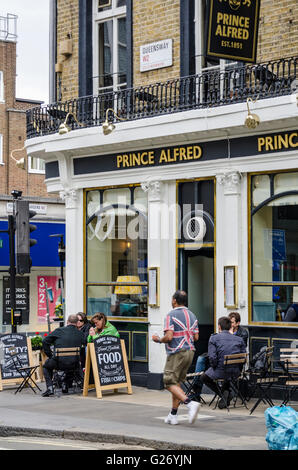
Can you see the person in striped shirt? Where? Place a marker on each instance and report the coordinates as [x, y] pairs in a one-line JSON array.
[[180, 332]]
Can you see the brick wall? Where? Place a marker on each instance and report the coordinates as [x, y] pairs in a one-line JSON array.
[[151, 23], [154, 20], [278, 30], [13, 130], [68, 28]]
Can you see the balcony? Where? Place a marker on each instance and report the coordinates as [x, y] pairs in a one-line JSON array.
[[210, 89]]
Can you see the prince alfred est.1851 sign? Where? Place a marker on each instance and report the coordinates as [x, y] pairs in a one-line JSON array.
[[233, 29]]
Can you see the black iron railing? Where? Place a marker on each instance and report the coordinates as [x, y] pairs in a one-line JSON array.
[[211, 88]]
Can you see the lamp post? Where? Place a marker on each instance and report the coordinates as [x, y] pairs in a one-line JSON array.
[[61, 254]]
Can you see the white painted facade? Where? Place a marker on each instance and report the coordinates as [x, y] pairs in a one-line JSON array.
[[276, 115]]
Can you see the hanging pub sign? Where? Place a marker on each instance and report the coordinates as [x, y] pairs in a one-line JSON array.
[[233, 29]]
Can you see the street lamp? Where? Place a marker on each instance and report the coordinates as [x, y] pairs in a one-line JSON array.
[[61, 254], [107, 126]]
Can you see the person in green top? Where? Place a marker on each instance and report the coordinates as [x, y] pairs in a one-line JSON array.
[[102, 327]]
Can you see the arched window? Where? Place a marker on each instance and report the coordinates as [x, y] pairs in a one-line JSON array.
[[274, 246]]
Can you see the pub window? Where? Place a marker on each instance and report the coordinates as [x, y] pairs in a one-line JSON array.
[[274, 246], [110, 51], [116, 252]]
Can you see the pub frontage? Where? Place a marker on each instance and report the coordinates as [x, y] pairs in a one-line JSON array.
[[192, 200]]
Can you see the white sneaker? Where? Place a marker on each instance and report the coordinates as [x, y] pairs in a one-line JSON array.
[[171, 419], [193, 409]]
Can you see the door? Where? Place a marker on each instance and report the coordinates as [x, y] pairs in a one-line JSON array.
[[197, 279]]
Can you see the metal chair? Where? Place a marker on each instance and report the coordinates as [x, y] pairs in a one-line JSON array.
[[289, 362], [230, 381], [26, 372], [69, 370], [261, 380]]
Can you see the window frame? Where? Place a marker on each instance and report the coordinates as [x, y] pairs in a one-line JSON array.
[[251, 283], [35, 170], [112, 14], [87, 283]]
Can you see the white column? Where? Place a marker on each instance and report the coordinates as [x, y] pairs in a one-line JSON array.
[[162, 254], [229, 222], [74, 296]]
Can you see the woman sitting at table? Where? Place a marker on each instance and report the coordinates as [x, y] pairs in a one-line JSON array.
[[102, 327]]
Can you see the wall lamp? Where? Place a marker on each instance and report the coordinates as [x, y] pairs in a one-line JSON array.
[[64, 128], [21, 163], [252, 120], [107, 126]]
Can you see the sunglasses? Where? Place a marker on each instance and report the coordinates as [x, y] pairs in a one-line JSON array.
[[82, 321]]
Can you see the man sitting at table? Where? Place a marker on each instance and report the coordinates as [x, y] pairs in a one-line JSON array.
[[65, 337], [221, 344]]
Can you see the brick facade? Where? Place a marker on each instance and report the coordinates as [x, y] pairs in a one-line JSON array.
[[13, 130], [155, 20]]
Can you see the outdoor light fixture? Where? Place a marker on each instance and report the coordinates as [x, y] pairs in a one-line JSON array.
[[64, 128], [19, 163], [107, 126], [252, 120]]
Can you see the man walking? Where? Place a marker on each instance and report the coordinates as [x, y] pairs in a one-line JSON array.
[[65, 337], [181, 330]]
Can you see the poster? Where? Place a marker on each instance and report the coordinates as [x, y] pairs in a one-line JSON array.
[[22, 299], [54, 296]]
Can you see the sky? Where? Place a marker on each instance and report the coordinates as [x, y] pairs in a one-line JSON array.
[[32, 81]]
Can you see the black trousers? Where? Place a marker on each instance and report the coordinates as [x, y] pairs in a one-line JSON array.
[[49, 366], [205, 379]]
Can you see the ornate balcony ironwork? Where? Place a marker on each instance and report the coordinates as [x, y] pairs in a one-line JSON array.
[[211, 88]]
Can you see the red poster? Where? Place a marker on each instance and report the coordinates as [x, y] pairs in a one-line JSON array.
[[54, 293]]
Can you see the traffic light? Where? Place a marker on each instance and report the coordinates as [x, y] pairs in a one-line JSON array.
[[23, 241]]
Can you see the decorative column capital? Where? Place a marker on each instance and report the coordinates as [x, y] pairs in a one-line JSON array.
[[70, 196], [230, 179], [153, 188]]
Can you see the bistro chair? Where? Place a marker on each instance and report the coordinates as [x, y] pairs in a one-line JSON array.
[[64, 371], [289, 361], [26, 372], [230, 382], [261, 380]]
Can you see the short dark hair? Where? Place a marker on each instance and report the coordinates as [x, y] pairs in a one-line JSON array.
[[83, 316], [181, 297], [235, 315], [224, 323]]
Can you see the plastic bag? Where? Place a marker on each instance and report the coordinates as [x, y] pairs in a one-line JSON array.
[[282, 425]]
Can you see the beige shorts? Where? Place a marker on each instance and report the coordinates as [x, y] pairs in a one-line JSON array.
[[177, 366]]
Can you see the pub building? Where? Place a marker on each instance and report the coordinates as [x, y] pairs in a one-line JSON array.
[[212, 205], [180, 172]]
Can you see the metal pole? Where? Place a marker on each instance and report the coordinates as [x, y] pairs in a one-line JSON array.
[[12, 270]]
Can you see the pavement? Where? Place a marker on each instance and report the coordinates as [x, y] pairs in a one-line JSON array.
[[136, 419]]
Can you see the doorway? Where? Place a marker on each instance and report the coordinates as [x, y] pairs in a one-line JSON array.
[[196, 277]]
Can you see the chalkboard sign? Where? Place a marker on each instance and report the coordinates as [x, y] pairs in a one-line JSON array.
[[22, 345], [22, 299], [107, 357]]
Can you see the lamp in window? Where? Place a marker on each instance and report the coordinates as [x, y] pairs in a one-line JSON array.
[[251, 120], [107, 126], [129, 290], [64, 128], [21, 163]]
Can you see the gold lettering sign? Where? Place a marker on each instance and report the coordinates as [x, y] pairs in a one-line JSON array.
[[159, 156], [277, 142]]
